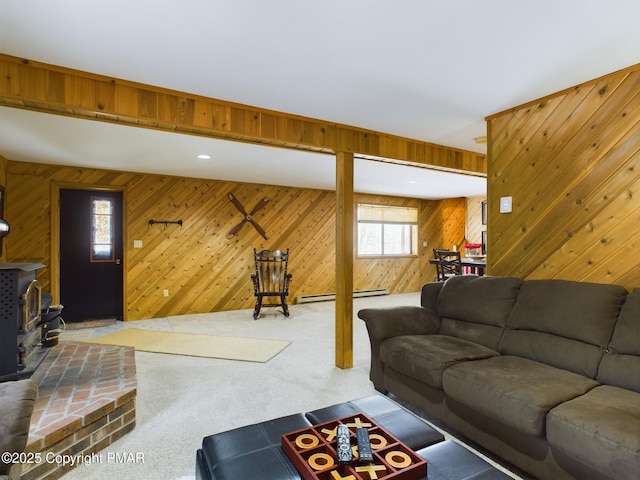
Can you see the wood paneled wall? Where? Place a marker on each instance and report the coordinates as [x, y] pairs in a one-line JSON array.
[[571, 162], [474, 226], [201, 268], [442, 225]]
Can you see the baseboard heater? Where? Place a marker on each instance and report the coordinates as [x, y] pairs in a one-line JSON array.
[[323, 297]]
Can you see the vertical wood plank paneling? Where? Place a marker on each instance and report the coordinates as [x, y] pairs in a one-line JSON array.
[[202, 269], [571, 164]]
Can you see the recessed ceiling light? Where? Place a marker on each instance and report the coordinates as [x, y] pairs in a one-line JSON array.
[[413, 181], [204, 156]]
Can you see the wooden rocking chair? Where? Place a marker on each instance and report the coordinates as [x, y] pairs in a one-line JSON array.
[[271, 279]]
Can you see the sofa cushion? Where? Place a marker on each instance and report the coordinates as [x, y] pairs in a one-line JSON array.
[[620, 365], [477, 308], [600, 429], [425, 357], [514, 391], [562, 323]]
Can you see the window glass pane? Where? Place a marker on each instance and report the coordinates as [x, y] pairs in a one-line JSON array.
[[101, 229], [370, 239], [102, 206], [397, 239], [102, 252]]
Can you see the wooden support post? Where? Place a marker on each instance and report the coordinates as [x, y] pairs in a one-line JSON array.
[[344, 260]]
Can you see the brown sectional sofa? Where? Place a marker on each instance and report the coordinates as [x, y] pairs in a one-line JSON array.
[[543, 373]]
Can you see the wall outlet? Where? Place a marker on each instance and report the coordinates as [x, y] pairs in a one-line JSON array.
[[165, 292], [137, 244]]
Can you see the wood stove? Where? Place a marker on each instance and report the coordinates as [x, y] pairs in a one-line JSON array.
[[20, 309]]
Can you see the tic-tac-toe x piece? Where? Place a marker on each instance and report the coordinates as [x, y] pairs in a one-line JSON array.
[[358, 423], [372, 470], [330, 433], [336, 476]]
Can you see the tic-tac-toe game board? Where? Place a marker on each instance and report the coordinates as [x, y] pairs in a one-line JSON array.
[[314, 452]]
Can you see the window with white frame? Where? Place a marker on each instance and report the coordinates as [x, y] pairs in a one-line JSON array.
[[387, 231]]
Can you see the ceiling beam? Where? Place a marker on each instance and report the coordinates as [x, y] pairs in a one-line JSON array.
[[52, 89]]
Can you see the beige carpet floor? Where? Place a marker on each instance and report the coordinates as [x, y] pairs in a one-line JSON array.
[[181, 399], [196, 345]]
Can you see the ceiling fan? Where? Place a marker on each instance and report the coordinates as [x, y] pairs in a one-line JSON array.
[[248, 217]]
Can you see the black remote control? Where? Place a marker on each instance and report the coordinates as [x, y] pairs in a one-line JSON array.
[[364, 447], [343, 440]]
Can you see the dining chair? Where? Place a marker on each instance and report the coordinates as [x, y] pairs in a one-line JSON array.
[[448, 263]]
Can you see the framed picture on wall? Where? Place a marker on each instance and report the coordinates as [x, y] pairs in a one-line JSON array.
[[484, 212]]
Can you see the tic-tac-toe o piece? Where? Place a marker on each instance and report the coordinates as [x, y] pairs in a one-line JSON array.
[[377, 441], [320, 461], [398, 459], [306, 440]]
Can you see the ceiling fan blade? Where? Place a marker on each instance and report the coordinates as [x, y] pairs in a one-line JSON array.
[[259, 205], [259, 229], [238, 205], [236, 229]]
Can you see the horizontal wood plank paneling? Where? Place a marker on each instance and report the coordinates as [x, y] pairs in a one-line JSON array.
[[202, 269], [53, 89], [571, 162]]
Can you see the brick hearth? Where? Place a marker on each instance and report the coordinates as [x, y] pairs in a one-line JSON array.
[[86, 401]]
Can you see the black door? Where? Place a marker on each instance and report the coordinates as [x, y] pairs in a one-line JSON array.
[[90, 254]]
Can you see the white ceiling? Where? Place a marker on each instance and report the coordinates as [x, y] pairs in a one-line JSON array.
[[430, 70]]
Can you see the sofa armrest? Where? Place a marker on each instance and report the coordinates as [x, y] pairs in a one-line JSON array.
[[17, 399], [383, 323]]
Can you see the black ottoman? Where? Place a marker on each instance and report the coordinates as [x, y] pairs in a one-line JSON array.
[[240, 453], [451, 461], [254, 452]]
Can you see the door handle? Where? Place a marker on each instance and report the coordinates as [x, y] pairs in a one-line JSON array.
[[117, 261]]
